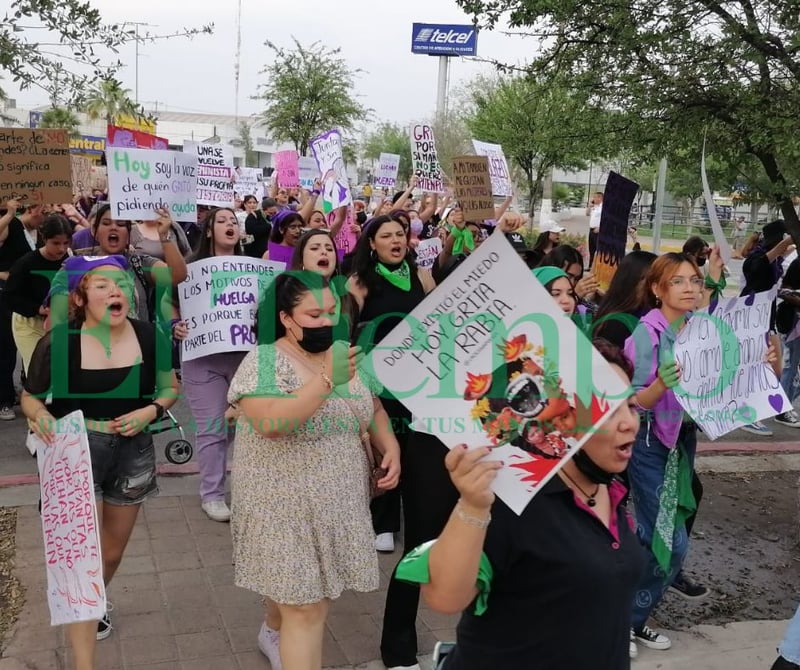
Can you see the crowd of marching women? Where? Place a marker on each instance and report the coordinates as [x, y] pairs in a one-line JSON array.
[[570, 583]]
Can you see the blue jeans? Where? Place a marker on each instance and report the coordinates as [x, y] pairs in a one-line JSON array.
[[646, 474], [790, 646], [789, 377]]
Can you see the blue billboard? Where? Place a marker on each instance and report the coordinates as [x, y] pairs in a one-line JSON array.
[[437, 39]]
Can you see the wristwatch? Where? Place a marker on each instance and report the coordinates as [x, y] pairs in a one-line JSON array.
[[160, 409]]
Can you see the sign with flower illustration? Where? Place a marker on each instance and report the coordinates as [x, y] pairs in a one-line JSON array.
[[488, 358]]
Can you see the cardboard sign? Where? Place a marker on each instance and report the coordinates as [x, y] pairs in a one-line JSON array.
[[34, 166], [308, 172], [140, 181], [427, 252], [287, 169], [425, 159], [81, 169], [498, 167], [614, 221], [388, 167], [472, 187], [75, 590], [725, 382], [327, 150], [135, 139], [249, 181], [214, 173], [476, 365], [219, 299]]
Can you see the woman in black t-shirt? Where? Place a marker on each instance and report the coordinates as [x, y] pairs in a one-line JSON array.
[[114, 370]]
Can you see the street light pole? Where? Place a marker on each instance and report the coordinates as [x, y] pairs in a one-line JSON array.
[[441, 93]]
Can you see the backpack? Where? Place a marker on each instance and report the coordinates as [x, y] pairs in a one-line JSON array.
[[138, 269]]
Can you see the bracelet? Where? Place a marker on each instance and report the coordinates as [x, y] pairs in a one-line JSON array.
[[327, 380], [316, 192], [470, 520]]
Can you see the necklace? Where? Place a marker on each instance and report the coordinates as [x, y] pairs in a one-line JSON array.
[[590, 499]]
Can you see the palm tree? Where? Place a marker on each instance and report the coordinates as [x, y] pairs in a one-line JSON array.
[[60, 117], [107, 98]]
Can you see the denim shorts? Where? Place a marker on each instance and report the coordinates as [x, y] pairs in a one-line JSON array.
[[123, 468]]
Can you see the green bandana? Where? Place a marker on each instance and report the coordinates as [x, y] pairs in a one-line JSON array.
[[401, 277], [461, 238]]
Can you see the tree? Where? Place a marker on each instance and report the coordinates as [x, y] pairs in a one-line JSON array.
[[59, 117], [64, 65], [250, 158], [108, 99], [309, 90], [452, 139], [390, 138], [682, 67]]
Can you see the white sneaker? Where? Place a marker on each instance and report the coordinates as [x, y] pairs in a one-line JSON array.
[[634, 650], [385, 542], [757, 428], [651, 639], [406, 667], [269, 644], [7, 413], [216, 510]]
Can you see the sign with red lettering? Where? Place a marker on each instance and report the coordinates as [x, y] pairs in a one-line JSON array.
[[75, 589], [425, 160]]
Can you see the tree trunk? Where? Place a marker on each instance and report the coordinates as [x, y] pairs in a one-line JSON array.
[[532, 188], [783, 198]]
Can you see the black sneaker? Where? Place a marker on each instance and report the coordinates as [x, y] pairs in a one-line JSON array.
[[650, 639], [783, 664], [687, 588], [104, 626]]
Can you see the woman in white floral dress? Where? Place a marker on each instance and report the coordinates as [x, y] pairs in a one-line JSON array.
[[301, 525]]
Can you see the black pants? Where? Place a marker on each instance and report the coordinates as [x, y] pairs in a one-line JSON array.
[[386, 508], [593, 235], [8, 355], [428, 500], [697, 491]]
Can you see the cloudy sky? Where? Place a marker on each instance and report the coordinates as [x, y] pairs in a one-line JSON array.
[[375, 36]]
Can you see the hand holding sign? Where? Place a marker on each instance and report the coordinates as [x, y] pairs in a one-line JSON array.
[[669, 372], [164, 221], [473, 475], [342, 361]]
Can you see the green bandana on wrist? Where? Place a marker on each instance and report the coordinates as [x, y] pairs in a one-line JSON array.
[[401, 277], [461, 238]]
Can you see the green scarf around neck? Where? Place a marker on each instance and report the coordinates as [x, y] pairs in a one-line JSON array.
[[401, 277], [462, 238]]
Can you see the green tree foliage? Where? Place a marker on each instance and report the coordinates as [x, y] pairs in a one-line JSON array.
[[250, 158], [390, 138], [681, 67], [59, 117], [309, 90], [108, 99]]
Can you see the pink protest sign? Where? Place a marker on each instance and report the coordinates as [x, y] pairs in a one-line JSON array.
[[287, 169], [347, 236], [75, 590]]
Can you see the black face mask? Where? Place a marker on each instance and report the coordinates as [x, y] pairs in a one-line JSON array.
[[589, 468], [316, 340]]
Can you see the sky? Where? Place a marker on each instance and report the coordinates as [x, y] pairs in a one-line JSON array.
[[375, 36]]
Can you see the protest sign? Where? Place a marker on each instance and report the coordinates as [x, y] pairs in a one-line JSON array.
[[249, 181], [214, 173], [219, 300], [75, 590], [34, 166], [347, 236], [140, 181], [472, 187], [498, 167], [614, 221], [308, 172], [725, 382], [425, 159], [427, 252], [327, 150], [388, 166], [134, 139], [81, 169], [719, 235], [475, 365], [287, 169]]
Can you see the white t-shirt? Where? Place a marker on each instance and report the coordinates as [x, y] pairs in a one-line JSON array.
[[594, 217]]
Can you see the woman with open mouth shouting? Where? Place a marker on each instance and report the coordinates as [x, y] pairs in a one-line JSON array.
[[106, 351]]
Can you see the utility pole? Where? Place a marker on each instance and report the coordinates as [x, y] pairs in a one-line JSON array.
[[137, 39], [237, 61], [659, 213], [441, 92]]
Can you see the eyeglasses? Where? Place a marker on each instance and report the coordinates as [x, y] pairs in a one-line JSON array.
[[696, 282]]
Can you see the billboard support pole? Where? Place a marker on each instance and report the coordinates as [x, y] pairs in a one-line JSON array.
[[441, 92]]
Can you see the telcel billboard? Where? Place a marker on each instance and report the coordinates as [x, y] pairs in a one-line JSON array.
[[444, 39]]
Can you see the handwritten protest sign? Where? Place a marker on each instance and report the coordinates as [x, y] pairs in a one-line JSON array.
[[475, 365], [472, 187], [249, 181], [719, 235], [214, 173], [498, 167], [614, 220], [140, 181], [287, 169], [35, 166], [327, 150], [425, 159], [347, 236], [219, 300], [427, 252], [388, 166], [75, 590], [135, 139], [308, 172], [725, 382], [81, 169]]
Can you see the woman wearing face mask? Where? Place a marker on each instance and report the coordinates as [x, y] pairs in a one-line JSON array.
[[301, 526], [28, 285], [206, 379], [549, 588], [105, 349]]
